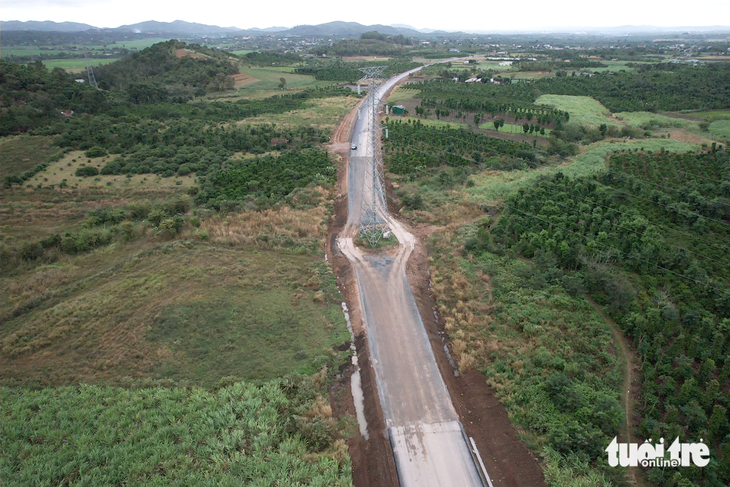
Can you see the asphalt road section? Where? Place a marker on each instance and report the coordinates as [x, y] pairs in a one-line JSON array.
[[428, 440]]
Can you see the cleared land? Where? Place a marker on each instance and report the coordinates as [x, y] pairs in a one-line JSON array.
[[583, 110], [22, 153], [324, 113], [232, 298]]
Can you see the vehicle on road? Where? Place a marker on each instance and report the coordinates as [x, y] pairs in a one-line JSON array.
[[353, 147]]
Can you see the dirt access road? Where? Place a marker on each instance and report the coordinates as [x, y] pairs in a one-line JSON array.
[[428, 441]]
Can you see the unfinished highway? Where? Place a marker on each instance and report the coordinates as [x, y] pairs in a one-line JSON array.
[[429, 443]]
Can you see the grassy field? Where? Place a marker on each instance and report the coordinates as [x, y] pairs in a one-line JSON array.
[[491, 187], [441, 123], [402, 93], [520, 75], [721, 130], [649, 121], [7, 51], [711, 115], [583, 110], [139, 44], [64, 170], [242, 52], [21, 153], [513, 128], [231, 298], [324, 113], [612, 66], [269, 79], [76, 65]]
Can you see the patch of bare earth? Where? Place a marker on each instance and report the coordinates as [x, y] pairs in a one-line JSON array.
[[181, 53], [241, 79]]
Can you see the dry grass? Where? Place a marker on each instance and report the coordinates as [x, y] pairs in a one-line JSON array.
[[279, 227], [324, 113], [181, 310], [65, 170]]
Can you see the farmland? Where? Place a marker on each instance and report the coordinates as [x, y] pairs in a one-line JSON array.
[[168, 313], [191, 294], [507, 298]]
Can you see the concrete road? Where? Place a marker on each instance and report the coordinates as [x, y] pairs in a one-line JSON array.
[[427, 438]]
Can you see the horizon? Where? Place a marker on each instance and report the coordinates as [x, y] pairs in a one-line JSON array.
[[572, 29], [560, 15]]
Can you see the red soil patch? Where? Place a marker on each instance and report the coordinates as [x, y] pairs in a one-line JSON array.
[[180, 53], [241, 79]]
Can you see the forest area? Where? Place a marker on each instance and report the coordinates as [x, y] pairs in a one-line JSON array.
[[128, 213], [532, 240], [162, 241]]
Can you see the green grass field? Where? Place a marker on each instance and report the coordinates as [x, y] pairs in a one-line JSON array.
[[267, 83], [186, 311], [495, 186], [612, 66], [65, 170], [441, 123], [242, 52], [402, 93], [512, 128], [140, 43], [324, 113], [711, 115], [583, 110], [649, 121], [721, 130], [76, 65], [21, 153]]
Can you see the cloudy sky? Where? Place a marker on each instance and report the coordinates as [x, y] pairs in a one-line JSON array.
[[470, 15]]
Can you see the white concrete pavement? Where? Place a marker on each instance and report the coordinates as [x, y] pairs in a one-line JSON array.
[[428, 441]]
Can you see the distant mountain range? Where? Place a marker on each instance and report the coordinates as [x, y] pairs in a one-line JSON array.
[[45, 26], [340, 29], [178, 27]]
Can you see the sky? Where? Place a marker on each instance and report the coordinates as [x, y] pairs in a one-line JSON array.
[[469, 15]]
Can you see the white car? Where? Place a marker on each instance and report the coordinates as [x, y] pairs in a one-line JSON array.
[[353, 147]]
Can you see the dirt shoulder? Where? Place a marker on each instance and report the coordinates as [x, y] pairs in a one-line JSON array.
[[508, 461], [372, 459]]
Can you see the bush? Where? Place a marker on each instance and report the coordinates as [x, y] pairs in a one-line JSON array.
[[87, 171], [414, 201], [95, 152], [138, 210]]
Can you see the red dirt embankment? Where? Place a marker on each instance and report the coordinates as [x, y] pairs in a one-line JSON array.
[[508, 461]]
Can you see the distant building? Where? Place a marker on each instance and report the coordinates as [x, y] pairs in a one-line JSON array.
[[67, 113], [80, 80], [399, 110], [453, 50]]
